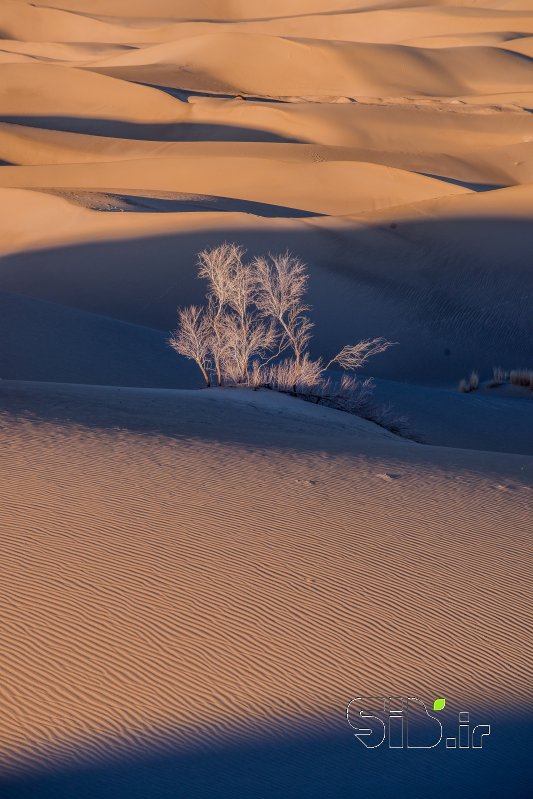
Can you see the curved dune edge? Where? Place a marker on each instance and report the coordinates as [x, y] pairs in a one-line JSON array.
[[333, 188], [190, 605], [282, 66]]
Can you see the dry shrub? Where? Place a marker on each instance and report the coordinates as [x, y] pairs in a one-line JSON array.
[[256, 314], [517, 377], [522, 377], [472, 384], [499, 376]]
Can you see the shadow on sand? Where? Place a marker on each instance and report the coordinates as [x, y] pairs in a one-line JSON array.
[[186, 203], [326, 767], [455, 293], [168, 131]]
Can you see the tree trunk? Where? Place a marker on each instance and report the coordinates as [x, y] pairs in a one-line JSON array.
[[206, 376]]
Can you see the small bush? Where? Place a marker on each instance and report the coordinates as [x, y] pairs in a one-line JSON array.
[[517, 377], [521, 377], [254, 331], [499, 376], [472, 384]]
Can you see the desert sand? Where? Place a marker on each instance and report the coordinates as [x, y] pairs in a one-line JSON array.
[[195, 583]]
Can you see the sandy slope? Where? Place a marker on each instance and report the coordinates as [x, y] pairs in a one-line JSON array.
[[295, 67], [180, 596], [451, 312], [30, 89], [338, 188], [183, 569]]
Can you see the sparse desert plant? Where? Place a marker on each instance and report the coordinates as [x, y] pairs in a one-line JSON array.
[[389, 418], [471, 384], [499, 376], [358, 391], [241, 339], [254, 331], [193, 338], [521, 377], [222, 267], [291, 375], [280, 288], [349, 393], [355, 356], [517, 377], [355, 395]]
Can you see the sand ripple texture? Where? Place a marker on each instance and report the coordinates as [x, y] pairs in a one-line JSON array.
[[196, 580]]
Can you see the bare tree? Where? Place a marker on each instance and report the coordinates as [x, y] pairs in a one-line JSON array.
[[219, 266], [281, 285], [241, 297], [243, 338], [256, 312], [193, 338]]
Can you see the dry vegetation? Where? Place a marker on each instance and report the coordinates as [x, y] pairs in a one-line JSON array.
[[470, 384], [254, 331], [516, 377]]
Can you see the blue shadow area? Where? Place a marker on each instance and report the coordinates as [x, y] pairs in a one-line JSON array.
[[319, 768]]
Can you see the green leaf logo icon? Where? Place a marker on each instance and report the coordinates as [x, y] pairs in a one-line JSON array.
[[439, 704]]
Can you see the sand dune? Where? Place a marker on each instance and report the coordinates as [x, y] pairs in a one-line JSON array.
[[389, 25], [221, 10], [141, 632], [335, 188], [492, 149], [27, 89], [522, 45], [195, 583], [73, 346], [297, 67], [491, 167], [58, 52], [35, 23], [420, 277]]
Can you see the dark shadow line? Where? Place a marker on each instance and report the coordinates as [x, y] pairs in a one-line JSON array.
[[166, 131], [112, 202], [465, 184], [184, 94]]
